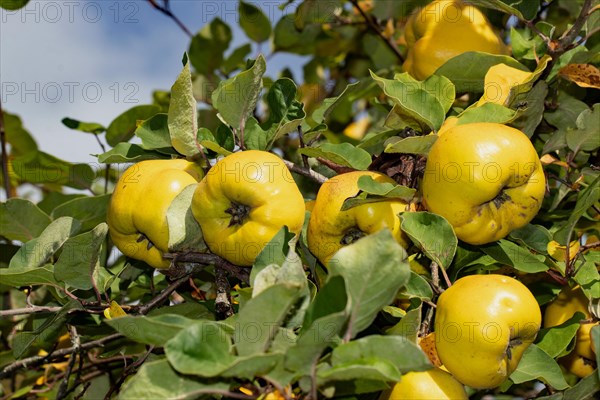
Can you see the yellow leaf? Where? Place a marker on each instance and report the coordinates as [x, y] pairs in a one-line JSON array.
[[498, 81], [357, 129], [584, 75], [114, 311]]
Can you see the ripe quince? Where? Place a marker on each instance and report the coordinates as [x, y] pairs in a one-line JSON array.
[[445, 29]]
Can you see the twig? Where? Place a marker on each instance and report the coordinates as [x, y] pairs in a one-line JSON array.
[[35, 361], [426, 324], [167, 11], [313, 381], [127, 372], [446, 278], [569, 36], [241, 273], [375, 28], [5, 176], [340, 169], [223, 307], [435, 277], [162, 296], [309, 173], [64, 384], [28, 310], [302, 145]]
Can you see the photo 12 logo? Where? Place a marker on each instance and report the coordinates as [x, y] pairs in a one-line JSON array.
[[71, 92], [92, 12]]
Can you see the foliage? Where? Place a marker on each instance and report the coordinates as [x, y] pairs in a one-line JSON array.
[[79, 317]]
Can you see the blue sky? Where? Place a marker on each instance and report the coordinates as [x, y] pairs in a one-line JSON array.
[[91, 60]]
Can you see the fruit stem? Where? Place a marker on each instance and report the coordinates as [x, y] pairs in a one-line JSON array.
[[351, 236], [238, 213]]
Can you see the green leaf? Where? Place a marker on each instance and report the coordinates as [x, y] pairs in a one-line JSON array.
[[324, 322], [285, 112], [522, 9], [202, 349], [208, 46], [586, 388], [588, 278], [54, 199], [416, 100], [36, 252], [237, 59], [379, 260], [509, 253], [467, 70], [184, 231], [257, 321], [183, 115], [409, 326], [151, 330], [488, 112], [22, 220], [87, 127], [275, 252], [411, 144], [537, 364], [531, 114], [595, 338], [21, 142], [17, 277], [46, 169], [80, 260], [369, 369], [372, 192], [287, 38], [585, 199], [128, 153], [535, 237], [585, 137], [555, 340], [340, 153], [525, 45], [45, 334], [13, 5], [433, 234], [236, 98], [403, 354], [568, 111], [154, 133], [208, 141], [418, 287], [122, 128], [158, 380], [252, 366], [289, 272], [255, 24], [90, 211]]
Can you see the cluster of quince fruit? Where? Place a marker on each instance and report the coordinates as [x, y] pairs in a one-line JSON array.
[[240, 204]]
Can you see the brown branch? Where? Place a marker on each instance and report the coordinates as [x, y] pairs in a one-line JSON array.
[[162, 296], [340, 169], [167, 11], [564, 43], [64, 384], [223, 307], [375, 28], [28, 310], [204, 259], [307, 172], [34, 361], [5, 176]]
